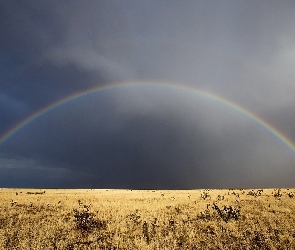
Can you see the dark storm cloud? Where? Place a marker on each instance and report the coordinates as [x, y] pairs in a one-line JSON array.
[[27, 28], [146, 137]]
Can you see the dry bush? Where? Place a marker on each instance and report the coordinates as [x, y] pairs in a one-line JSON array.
[[277, 193], [255, 193], [228, 212]]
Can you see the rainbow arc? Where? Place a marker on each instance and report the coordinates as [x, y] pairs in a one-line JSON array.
[[261, 122]]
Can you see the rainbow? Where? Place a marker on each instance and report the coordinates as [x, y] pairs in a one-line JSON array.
[[275, 132]]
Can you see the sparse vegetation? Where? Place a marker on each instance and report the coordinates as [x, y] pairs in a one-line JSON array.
[[228, 212], [255, 193], [34, 192], [124, 219], [277, 193], [205, 195]]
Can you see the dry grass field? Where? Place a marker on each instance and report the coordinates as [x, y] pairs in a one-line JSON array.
[[147, 219]]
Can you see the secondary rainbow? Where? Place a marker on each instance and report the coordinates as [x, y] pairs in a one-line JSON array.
[[275, 132]]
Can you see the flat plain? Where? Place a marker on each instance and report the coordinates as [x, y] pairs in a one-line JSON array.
[[147, 219]]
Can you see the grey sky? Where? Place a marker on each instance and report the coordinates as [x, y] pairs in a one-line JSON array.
[[147, 137]]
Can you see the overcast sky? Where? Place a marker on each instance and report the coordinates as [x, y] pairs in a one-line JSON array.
[[147, 136]]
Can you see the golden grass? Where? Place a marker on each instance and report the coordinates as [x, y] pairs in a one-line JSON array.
[[147, 219]]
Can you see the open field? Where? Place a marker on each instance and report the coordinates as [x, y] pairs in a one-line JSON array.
[[147, 219]]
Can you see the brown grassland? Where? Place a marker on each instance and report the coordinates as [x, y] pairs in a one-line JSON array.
[[147, 219]]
